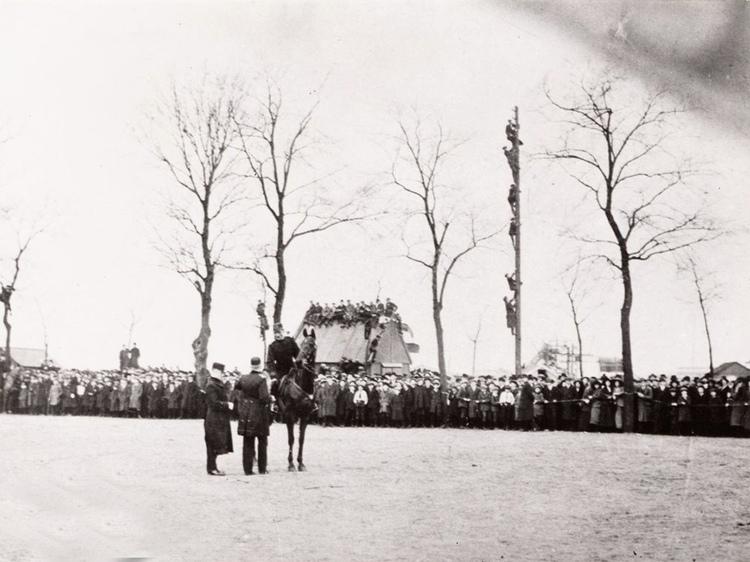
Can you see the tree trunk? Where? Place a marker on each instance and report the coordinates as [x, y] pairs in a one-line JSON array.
[[437, 308], [200, 344], [278, 305], [578, 333], [708, 332], [6, 323], [580, 349], [628, 420]]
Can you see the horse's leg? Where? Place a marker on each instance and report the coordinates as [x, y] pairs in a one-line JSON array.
[[290, 433], [302, 428]]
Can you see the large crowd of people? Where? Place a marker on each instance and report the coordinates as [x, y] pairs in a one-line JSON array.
[[689, 406], [347, 313]]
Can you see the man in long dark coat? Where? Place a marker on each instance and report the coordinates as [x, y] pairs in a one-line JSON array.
[[218, 432], [525, 404], [135, 356], [254, 417]]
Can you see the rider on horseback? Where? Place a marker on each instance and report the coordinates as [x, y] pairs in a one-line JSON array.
[[282, 354]]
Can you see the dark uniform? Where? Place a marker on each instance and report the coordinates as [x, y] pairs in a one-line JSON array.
[[281, 356], [254, 419], [216, 424]]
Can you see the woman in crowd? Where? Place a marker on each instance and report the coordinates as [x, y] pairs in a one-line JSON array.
[[597, 398], [607, 421], [584, 416]]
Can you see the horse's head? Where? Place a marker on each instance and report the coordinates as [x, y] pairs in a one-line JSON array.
[[307, 349]]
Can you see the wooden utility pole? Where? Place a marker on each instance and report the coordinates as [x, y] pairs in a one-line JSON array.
[[513, 306], [517, 181]]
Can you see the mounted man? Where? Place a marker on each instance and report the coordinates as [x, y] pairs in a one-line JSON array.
[[282, 353]]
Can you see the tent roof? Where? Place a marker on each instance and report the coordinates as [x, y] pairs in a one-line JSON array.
[[336, 342]]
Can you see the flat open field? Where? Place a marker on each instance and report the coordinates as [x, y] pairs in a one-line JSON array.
[[102, 489]]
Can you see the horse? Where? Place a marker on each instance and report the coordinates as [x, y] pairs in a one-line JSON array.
[[294, 397]]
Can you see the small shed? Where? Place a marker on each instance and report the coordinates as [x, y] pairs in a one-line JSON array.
[[732, 371], [30, 358], [338, 341]]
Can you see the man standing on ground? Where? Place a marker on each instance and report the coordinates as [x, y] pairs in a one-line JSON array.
[[218, 432], [124, 358], [254, 417], [135, 355]]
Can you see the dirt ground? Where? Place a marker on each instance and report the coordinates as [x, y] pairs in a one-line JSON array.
[[104, 489]]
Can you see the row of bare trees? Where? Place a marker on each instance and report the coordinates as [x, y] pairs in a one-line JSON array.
[[244, 190], [243, 162]]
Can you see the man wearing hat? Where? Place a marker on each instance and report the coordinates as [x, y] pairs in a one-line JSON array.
[[254, 417], [281, 353], [218, 432]]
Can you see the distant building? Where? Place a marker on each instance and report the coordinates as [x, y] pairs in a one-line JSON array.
[[732, 371], [337, 342], [610, 365], [30, 358]]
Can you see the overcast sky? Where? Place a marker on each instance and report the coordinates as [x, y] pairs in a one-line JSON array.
[[77, 77]]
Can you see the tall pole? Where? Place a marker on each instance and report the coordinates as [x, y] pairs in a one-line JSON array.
[[517, 181], [513, 305]]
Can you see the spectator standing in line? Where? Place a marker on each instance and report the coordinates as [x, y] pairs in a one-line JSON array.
[[645, 407], [373, 404], [135, 357], [360, 404], [386, 398], [124, 358], [54, 396], [524, 407]]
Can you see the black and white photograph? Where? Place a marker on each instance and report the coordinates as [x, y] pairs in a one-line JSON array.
[[375, 280]]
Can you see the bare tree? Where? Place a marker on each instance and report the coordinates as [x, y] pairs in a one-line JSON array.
[[9, 280], [615, 148], [707, 291], [275, 145], [577, 292], [447, 235], [196, 131], [133, 319], [475, 341]]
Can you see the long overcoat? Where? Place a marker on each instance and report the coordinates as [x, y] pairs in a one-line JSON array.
[[216, 424], [254, 399], [646, 405], [55, 392], [738, 408], [328, 395], [525, 403]]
